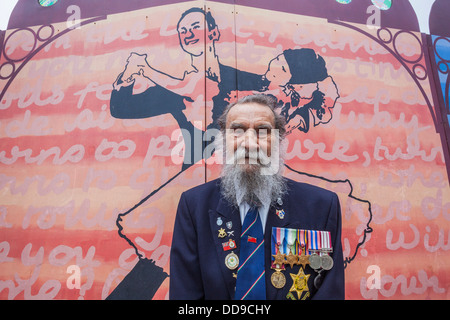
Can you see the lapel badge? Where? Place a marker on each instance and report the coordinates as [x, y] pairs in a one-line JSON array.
[[279, 210], [280, 213], [229, 245], [222, 233], [219, 221], [279, 202], [229, 224], [232, 261]]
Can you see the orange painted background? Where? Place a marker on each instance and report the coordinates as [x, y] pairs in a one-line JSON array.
[[69, 169]]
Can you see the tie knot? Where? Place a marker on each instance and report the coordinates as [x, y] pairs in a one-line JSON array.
[[251, 213]]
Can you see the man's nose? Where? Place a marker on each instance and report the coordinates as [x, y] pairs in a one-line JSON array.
[[250, 140]]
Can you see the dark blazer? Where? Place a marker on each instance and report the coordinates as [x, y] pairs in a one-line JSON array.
[[197, 260]]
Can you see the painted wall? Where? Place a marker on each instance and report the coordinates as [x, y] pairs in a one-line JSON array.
[[93, 160]]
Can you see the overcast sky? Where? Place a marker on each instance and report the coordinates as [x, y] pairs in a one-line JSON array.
[[6, 6], [422, 8]]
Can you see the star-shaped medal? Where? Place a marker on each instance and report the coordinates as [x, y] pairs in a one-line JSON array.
[[279, 259], [291, 259], [303, 260], [299, 282]]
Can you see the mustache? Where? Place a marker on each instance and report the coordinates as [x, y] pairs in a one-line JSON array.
[[243, 156]]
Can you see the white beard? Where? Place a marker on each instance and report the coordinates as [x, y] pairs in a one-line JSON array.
[[251, 186]]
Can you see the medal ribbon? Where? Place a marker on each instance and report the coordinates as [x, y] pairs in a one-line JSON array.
[[278, 240], [312, 240], [326, 241], [301, 237], [314, 243], [291, 237], [274, 241]]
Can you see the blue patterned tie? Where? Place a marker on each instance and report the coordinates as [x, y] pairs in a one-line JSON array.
[[251, 280]]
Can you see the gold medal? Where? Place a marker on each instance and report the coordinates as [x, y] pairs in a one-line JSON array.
[[278, 279], [232, 261], [299, 282]]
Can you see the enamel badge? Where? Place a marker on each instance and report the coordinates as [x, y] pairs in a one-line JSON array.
[[229, 245], [280, 213], [232, 261]]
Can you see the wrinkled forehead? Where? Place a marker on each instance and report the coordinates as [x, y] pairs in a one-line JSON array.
[[250, 113]]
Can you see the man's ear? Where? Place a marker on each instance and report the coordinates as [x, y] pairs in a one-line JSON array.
[[214, 34]]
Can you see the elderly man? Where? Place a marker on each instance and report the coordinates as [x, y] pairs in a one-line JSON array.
[[253, 234]]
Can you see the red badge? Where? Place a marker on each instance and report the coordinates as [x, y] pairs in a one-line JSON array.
[[229, 245], [251, 239]]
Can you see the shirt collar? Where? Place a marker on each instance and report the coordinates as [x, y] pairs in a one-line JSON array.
[[263, 210]]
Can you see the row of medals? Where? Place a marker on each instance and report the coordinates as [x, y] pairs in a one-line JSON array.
[[315, 261]]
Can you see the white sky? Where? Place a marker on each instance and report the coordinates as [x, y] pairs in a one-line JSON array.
[[422, 8], [6, 7]]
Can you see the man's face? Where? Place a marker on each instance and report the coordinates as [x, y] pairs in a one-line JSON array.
[[250, 135], [191, 33]]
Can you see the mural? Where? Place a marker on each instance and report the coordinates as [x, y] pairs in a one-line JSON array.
[[107, 120]]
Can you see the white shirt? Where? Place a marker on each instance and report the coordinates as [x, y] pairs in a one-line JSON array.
[[244, 207]]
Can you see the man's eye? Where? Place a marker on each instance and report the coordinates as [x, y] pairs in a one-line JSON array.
[[238, 132], [263, 132]]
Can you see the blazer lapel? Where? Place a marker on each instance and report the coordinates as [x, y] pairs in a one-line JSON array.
[[225, 225]]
